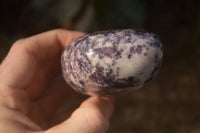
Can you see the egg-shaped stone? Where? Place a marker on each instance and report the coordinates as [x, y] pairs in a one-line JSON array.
[[111, 62]]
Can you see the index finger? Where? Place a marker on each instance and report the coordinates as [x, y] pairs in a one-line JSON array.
[[51, 43], [24, 59]]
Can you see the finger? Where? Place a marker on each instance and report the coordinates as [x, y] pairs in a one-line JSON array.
[[91, 117], [29, 56], [58, 93], [51, 43]]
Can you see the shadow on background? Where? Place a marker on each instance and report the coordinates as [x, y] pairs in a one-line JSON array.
[[171, 102]]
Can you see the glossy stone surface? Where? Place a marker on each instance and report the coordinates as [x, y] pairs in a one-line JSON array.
[[111, 62]]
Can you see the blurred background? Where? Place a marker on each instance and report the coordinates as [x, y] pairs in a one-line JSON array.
[[168, 104]]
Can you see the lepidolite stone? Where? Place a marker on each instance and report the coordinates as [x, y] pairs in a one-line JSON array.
[[111, 62]]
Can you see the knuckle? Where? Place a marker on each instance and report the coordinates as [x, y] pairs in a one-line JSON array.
[[59, 30], [17, 44], [16, 99]]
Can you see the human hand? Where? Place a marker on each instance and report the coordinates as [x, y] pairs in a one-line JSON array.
[[31, 90]]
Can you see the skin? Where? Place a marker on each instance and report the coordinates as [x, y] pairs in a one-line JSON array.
[[31, 90]]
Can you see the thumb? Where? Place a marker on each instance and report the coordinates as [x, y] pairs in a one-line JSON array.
[[91, 117]]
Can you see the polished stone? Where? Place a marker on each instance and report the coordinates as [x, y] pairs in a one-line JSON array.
[[111, 62]]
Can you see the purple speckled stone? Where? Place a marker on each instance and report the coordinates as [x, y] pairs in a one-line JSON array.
[[111, 62]]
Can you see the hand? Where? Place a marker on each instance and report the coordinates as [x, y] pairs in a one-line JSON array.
[[31, 90]]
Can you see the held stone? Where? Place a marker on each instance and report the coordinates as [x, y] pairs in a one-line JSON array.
[[111, 62]]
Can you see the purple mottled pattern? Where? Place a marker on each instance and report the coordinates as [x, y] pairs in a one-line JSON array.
[[111, 62]]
